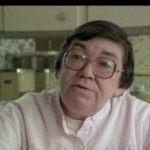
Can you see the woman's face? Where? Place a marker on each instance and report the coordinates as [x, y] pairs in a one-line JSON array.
[[82, 93]]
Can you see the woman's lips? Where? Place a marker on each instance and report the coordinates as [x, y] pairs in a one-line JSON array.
[[81, 87]]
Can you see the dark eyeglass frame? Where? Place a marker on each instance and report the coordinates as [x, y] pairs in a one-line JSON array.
[[88, 60]]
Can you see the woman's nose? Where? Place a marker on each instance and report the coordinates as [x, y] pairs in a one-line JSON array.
[[87, 71]]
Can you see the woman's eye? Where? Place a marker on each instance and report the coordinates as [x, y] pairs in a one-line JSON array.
[[104, 64], [77, 57]]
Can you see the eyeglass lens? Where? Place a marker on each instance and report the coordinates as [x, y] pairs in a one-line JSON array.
[[102, 66]]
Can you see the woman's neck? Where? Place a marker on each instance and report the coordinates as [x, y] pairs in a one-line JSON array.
[[74, 113]]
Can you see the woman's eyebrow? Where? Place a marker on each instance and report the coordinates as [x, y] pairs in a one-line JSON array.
[[106, 53], [79, 45]]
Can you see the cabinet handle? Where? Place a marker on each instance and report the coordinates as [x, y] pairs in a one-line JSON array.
[[62, 16]]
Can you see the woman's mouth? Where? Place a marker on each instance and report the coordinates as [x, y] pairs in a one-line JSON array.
[[83, 88]]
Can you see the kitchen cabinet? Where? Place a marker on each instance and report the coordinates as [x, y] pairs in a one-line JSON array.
[[1, 18], [124, 16], [43, 18], [66, 18], [8, 85]]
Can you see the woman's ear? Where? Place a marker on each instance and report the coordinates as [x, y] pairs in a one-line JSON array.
[[57, 74], [119, 91]]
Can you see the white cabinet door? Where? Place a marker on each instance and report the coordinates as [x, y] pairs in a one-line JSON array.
[[1, 18], [40, 18], [124, 16]]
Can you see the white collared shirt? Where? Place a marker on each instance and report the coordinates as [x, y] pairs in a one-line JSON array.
[[37, 122]]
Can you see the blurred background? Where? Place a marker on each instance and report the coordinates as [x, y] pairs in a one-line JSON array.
[[31, 36]]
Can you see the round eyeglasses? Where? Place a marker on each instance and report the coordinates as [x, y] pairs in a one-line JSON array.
[[103, 67]]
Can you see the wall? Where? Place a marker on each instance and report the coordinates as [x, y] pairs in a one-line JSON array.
[[1, 18], [141, 48], [13, 46]]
